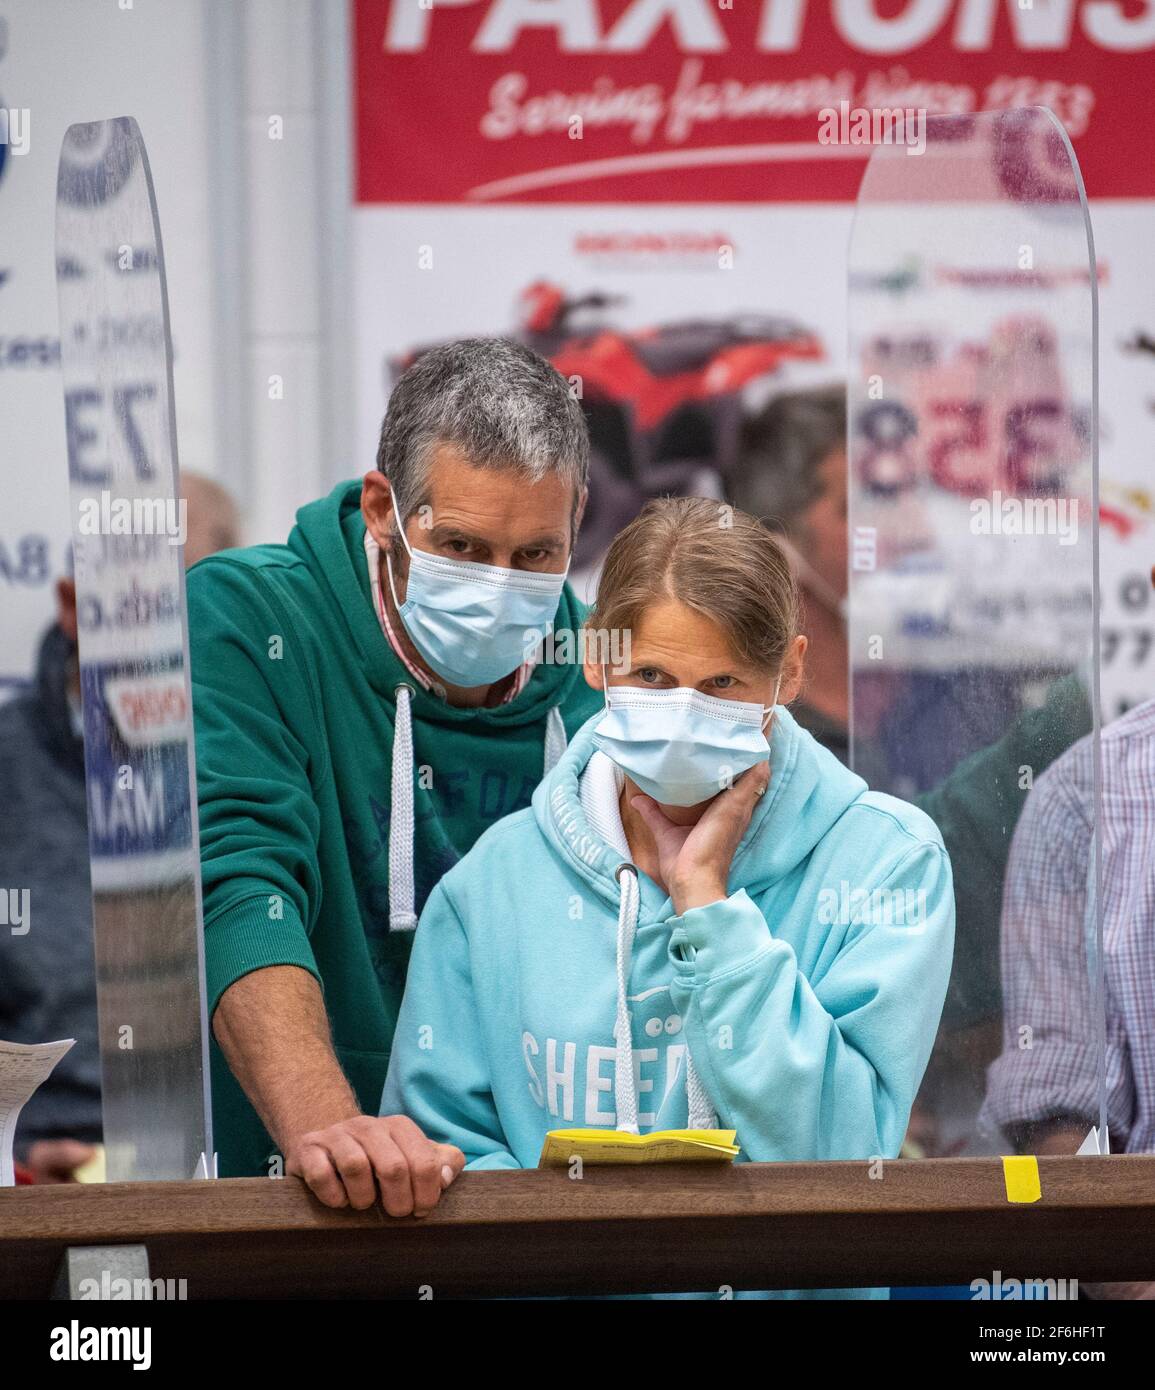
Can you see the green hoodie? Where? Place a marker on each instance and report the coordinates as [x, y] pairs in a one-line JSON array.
[[294, 705]]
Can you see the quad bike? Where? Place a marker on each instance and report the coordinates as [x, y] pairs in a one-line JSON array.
[[664, 404]]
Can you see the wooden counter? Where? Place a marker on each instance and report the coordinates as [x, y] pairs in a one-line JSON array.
[[621, 1229]]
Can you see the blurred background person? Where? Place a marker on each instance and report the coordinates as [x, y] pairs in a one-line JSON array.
[[47, 976], [1043, 1090], [214, 523], [792, 473]]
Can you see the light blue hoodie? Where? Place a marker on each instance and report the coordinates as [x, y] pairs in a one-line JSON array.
[[808, 999]]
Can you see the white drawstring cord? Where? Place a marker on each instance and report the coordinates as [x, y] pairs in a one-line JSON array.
[[555, 739], [699, 1110], [625, 1091], [401, 894], [401, 898]]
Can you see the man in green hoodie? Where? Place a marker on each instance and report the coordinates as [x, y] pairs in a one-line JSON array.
[[369, 698]]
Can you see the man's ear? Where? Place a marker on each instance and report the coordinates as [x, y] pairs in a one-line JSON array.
[[377, 507], [580, 510]]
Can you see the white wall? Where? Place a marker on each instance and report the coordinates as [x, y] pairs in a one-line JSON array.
[[253, 233]]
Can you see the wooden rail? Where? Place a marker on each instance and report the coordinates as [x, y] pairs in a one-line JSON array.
[[617, 1230]]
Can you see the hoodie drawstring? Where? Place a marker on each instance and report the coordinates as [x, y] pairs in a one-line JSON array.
[[401, 899], [625, 1089], [555, 739], [700, 1112], [402, 916]]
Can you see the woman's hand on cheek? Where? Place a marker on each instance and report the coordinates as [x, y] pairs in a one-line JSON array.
[[695, 860]]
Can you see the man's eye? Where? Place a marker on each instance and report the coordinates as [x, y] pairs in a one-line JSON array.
[[723, 682], [535, 557], [650, 674], [458, 547]]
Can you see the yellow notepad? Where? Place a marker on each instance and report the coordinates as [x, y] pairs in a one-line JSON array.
[[562, 1146]]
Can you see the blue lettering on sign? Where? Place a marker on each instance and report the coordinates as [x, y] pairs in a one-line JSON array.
[[138, 797], [134, 815], [123, 399], [82, 438], [24, 561], [28, 352]]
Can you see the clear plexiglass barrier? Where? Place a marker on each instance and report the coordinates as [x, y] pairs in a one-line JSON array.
[[973, 628], [128, 533]]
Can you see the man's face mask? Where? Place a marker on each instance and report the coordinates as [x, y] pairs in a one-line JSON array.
[[474, 623], [680, 746]]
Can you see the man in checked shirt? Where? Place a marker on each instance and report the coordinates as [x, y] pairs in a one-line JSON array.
[[1044, 1089]]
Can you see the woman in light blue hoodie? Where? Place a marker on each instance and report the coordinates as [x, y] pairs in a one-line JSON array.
[[692, 925]]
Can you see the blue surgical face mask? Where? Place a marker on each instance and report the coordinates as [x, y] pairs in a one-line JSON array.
[[680, 746], [474, 623]]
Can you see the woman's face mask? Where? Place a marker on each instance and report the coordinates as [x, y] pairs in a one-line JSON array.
[[679, 746], [474, 623]]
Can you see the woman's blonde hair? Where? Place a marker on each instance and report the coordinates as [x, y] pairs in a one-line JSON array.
[[722, 563]]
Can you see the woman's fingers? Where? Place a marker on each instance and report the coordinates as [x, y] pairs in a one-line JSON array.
[[751, 786], [648, 809], [731, 812], [664, 831]]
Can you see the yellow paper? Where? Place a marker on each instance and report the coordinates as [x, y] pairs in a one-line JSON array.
[[1021, 1176], [94, 1169], [562, 1146]]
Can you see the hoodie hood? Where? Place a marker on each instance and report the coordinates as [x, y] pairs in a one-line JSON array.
[[809, 790], [330, 537]]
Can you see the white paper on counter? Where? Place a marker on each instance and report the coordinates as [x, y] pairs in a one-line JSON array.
[[23, 1066]]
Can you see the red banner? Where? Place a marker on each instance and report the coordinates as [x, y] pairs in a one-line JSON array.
[[496, 101]]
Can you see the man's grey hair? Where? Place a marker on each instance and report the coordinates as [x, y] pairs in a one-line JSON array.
[[500, 404], [782, 449]]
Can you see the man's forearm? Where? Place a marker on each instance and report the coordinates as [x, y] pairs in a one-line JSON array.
[[272, 1027]]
